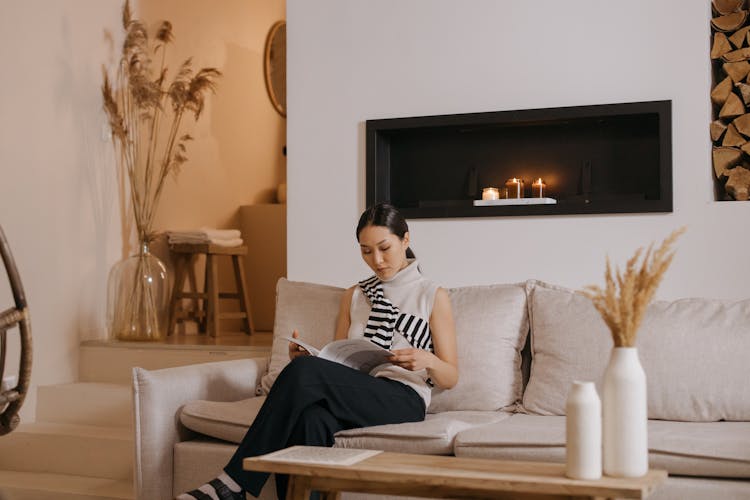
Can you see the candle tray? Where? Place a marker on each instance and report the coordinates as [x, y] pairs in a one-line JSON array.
[[515, 201]]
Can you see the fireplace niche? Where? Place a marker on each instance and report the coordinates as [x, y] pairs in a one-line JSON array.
[[612, 158]]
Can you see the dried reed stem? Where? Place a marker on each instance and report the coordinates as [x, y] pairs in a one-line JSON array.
[[625, 297], [139, 102], [145, 114]]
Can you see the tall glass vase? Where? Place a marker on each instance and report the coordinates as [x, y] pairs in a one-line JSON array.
[[138, 296], [624, 415]]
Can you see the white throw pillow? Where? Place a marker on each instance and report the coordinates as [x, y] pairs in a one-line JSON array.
[[309, 308], [569, 341], [694, 353], [491, 328]]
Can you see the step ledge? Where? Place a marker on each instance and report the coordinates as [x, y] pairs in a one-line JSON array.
[[76, 430], [66, 483], [107, 386], [118, 344]]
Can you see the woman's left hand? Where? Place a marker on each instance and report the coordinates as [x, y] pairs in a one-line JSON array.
[[412, 359]]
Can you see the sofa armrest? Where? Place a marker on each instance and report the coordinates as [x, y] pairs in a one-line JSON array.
[[159, 395]]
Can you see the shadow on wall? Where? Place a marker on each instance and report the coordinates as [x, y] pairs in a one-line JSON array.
[[245, 123], [78, 100]]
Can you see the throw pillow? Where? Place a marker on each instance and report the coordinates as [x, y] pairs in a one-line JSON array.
[[491, 328], [692, 350], [569, 341], [308, 308]]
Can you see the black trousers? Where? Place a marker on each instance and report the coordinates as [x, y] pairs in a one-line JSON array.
[[310, 401]]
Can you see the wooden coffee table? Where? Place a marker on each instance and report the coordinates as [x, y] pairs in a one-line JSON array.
[[447, 477]]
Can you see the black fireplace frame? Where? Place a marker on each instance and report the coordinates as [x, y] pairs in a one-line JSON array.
[[635, 138]]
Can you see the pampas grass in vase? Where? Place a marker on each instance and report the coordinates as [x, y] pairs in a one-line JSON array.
[[146, 111], [622, 304]]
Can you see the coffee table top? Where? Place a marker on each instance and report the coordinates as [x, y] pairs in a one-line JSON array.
[[411, 473]]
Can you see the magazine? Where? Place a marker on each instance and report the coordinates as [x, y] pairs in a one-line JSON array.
[[360, 354], [320, 455]]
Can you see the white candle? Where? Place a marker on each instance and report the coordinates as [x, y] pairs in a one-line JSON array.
[[515, 188], [490, 193], [538, 189]]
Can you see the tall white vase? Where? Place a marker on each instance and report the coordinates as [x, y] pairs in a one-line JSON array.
[[624, 415], [583, 432]]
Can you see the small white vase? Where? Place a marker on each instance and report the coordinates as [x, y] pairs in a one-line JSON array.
[[624, 415], [583, 432]]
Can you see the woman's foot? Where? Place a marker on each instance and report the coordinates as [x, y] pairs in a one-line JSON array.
[[221, 488]]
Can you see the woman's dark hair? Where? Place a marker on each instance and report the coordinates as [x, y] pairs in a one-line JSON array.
[[385, 215]]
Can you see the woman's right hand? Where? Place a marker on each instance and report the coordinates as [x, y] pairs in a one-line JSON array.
[[296, 350]]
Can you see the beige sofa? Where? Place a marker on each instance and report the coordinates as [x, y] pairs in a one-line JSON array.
[[520, 346]]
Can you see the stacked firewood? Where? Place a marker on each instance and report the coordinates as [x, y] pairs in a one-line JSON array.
[[730, 128]]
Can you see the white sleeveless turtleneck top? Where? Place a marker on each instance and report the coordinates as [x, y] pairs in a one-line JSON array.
[[413, 294]]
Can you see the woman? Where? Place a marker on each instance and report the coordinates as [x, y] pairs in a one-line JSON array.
[[313, 398]]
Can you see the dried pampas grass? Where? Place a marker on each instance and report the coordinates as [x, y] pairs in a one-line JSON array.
[[625, 297], [145, 113]]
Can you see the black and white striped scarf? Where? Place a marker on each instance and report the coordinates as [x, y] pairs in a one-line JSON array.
[[385, 318]]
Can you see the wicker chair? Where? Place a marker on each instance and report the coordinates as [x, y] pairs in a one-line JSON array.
[[11, 398]]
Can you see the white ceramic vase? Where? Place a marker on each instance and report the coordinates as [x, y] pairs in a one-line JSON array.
[[583, 432], [624, 415]]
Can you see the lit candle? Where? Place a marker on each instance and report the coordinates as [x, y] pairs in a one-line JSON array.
[[514, 187], [538, 189], [490, 193]]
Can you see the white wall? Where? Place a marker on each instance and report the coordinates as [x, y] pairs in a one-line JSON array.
[[353, 60], [58, 191], [57, 186]]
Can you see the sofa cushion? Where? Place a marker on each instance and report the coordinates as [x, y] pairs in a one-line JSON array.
[[307, 307], [692, 350], [717, 449], [491, 328], [222, 420], [230, 421], [433, 436], [569, 341]]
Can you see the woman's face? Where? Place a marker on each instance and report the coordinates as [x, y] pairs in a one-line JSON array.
[[383, 251]]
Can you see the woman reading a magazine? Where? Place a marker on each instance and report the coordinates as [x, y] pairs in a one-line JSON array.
[[313, 398]]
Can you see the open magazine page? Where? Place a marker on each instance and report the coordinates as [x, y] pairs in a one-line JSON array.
[[360, 354], [312, 350]]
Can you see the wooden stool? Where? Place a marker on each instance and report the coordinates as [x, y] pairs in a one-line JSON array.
[[207, 314]]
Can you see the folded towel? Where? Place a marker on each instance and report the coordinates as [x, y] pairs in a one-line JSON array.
[[235, 242], [208, 234], [221, 237]]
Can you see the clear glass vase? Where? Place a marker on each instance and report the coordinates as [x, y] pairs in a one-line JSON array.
[[138, 297]]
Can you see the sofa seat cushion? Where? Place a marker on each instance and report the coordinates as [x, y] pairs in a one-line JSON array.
[[711, 449], [433, 436], [227, 421]]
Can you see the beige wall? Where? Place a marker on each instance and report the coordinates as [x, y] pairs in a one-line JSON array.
[[58, 191], [57, 186], [236, 158]]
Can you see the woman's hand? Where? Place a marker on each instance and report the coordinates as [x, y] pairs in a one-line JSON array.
[[296, 350], [412, 359]]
